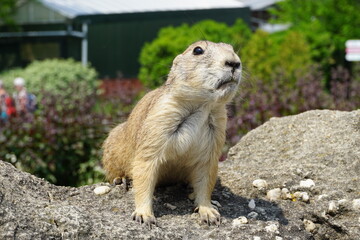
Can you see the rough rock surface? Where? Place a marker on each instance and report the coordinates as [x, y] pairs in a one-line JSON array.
[[320, 145]]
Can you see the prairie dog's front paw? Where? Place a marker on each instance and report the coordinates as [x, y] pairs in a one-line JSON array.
[[142, 217], [209, 215]]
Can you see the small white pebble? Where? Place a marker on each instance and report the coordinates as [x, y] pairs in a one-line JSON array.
[[260, 183], [278, 238], [191, 196], [305, 197], [309, 225], [274, 194], [239, 221], [252, 204], [356, 204], [170, 206], [216, 203], [308, 183], [285, 194], [272, 228], [257, 238], [102, 190], [342, 202], [253, 215], [302, 196], [322, 196], [297, 195], [332, 207]]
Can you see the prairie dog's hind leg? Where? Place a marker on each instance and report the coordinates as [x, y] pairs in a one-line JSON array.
[[115, 159]]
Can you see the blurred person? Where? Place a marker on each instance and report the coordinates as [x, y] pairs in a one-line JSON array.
[[3, 95], [25, 102], [7, 108]]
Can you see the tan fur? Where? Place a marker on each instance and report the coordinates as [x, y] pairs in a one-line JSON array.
[[176, 132]]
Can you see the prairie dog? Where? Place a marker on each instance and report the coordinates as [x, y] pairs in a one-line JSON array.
[[176, 132]]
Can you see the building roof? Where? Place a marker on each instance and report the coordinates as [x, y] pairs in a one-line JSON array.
[[74, 8], [259, 4], [58, 11]]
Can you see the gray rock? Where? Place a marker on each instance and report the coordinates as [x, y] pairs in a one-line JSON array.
[[321, 145]]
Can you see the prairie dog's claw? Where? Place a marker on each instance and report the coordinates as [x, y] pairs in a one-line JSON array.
[[209, 215], [120, 181], [117, 181], [148, 219]]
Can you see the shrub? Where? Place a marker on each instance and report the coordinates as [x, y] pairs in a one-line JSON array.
[[61, 143], [257, 102], [327, 24], [62, 140], [344, 89], [287, 53], [156, 57], [262, 54], [55, 76]]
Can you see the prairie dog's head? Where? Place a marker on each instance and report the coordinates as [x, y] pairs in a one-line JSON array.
[[209, 66]]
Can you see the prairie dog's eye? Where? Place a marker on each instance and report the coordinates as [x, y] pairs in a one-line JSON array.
[[198, 51]]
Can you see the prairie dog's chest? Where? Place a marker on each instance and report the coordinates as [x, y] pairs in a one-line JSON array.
[[185, 131], [203, 133]]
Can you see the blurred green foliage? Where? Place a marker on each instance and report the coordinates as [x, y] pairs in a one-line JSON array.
[[156, 57], [54, 75], [7, 9], [62, 140], [262, 54], [266, 54], [251, 108], [59, 142], [283, 73], [326, 24], [62, 143]]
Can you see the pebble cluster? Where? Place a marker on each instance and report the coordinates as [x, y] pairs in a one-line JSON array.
[[275, 194], [305, 186], [343, 204], [285, 194]]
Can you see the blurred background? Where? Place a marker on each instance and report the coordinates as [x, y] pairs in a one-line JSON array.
[[70, 70]]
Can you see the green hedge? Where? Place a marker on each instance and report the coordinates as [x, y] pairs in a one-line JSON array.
[[266, 55], [62, 140], [54, 76], [262, 54], [156, 57]]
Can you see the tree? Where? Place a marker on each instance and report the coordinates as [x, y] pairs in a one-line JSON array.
[[267, 55], [327, 24], [7, 9]]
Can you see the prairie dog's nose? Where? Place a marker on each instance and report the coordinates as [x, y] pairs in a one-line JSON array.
[[233, 64]]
